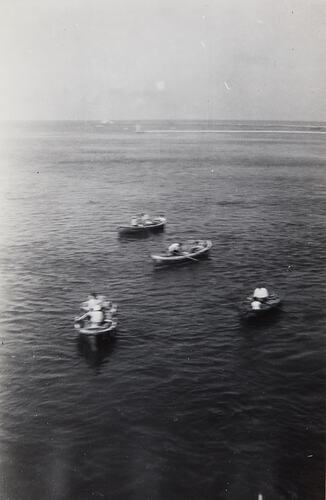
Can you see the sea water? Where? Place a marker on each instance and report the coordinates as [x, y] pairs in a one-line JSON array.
[[186, 401]]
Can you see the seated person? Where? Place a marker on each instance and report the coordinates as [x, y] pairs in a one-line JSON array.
[[145, 219], [134, 221], [96, 316], [108, 315], [92, 302], [197, 245], [104, 302], [261, 294], [175, 249], [256, 305]]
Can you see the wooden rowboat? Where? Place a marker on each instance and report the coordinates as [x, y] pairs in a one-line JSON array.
[[272, 303], [156, 224], [192, 250]]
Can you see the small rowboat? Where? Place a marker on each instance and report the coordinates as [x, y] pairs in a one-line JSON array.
[[153, 225], [192, 250], [272, 303], [86, 328]]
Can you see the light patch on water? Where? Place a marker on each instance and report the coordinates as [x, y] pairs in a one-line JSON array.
[[160, 86]]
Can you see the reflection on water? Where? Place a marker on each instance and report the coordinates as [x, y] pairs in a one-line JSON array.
[[96, 350]]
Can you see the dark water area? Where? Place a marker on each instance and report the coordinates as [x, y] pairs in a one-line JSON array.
[[186, 401]]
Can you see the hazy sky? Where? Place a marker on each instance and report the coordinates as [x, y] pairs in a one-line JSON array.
[[134, 59]]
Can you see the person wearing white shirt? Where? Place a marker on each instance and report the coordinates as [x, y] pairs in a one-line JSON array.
[[261, 294], [175, 249], [92, 301], [256, 305], [145, 219], [96, 316]]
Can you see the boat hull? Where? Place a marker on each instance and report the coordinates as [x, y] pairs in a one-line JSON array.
[[85, 328], [157, 226]]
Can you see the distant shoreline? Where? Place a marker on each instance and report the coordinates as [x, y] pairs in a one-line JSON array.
[[232, 131]]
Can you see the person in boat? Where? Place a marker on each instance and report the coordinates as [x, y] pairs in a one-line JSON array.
[[92, 301], [145, 219], [175, 249], [104, 302], [96, 316], [261, 294], [99, 313], [107, 307], [134, 221], [108, 314], [197, 245], [255, 305]]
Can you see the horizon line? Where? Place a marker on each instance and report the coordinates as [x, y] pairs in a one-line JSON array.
[[111, 121], [252, 131]]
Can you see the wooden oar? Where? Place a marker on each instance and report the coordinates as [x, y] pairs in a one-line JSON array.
[[192, 258], [81, 317]]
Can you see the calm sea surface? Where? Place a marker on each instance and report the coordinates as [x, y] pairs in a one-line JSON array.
[[186, 402]]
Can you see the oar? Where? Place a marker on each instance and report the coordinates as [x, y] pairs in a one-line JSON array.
[[81, 317], [191, 258]]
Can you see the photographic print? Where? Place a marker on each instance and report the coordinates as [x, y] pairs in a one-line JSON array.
[[162, 249]]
